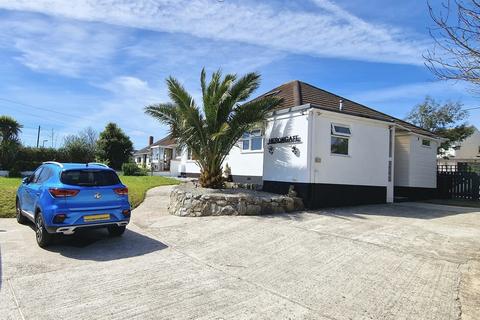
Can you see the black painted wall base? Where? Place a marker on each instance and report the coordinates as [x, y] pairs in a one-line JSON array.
[[415, 193], [189, 175], [320, 195]]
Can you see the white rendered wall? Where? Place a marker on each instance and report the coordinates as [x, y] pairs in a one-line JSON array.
[[415, 164], [423, 168], [402, 160], [248, 163], [245, 163], [469, 148], [367, 161], [283, 164]]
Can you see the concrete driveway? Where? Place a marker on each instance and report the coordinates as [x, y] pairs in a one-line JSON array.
[[402, 261]]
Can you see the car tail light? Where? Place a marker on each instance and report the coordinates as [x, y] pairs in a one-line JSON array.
[[121, 191], [59, 218], [63, 193], [126, 212]]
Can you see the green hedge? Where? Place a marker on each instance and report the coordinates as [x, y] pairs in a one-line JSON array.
[[131, 169], [28, 158]]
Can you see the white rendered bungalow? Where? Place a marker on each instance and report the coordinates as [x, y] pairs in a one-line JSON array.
[[333, 151]]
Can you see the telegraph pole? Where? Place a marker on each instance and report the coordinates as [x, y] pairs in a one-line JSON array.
[[38, 136]]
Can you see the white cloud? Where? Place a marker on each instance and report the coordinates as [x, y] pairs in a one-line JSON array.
[[418, 90], [67, 48], [329, 31], [127, 86]]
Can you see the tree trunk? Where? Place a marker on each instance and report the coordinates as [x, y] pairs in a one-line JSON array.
[[211, 178]]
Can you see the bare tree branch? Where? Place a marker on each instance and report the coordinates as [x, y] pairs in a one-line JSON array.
[[456, 53]]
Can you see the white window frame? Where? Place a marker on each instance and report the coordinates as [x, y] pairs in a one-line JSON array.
[[340, 135], [337, 133], [249, 139]]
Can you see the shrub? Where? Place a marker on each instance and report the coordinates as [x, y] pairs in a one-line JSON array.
[[131, 169], [14, 172], [23, 165]]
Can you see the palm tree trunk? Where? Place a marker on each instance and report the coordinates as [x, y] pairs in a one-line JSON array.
[[211, 178]]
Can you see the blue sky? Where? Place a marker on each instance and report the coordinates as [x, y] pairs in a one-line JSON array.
[[68, 65]]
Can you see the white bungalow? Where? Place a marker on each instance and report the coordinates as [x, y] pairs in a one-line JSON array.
[[333, 151]]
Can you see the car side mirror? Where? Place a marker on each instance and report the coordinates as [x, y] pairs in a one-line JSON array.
[[26, 180]]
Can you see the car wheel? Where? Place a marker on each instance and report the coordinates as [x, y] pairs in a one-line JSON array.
[[43, 237], [20, 217], [115, 230]]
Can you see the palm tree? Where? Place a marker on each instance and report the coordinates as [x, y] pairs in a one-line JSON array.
[[9, 140], [9, 129], [211, 131]]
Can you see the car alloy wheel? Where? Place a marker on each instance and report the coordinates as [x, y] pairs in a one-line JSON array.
[[43, 237], [39, 228]]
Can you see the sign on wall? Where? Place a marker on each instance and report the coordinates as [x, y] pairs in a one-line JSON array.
[[287, 139]]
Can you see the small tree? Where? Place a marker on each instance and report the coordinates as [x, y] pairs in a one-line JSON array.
[[81, 147], [9, 140], [445, 120], [114, 145], [212, 130]]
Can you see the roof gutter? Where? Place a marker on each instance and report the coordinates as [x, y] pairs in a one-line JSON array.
[[419, 134]]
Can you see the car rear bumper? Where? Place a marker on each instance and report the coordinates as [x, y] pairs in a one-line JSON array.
[[71, 229]]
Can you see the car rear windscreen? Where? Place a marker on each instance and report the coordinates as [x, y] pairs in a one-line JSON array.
[[89, 177]]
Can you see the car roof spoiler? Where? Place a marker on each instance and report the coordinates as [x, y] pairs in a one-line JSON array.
[[54, 162], [98, 164]]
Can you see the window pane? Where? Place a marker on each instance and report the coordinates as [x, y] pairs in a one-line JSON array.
[[342, 130], [257, 143], [246, 135], [246, 145], [36, 174], [89, 177], [426, 142], [44, 175], [339, 145]]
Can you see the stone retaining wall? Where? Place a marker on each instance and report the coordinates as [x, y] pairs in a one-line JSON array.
[[195, 202]]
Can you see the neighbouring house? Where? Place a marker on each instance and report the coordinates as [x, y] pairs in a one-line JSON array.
[[333, 151], [463, 153], [157, 155]]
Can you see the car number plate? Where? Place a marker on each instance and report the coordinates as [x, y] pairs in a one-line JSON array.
[[96, 217]]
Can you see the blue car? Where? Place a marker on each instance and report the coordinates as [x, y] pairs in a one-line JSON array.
[[64, 197]]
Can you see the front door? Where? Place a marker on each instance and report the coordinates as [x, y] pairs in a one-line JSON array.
[[167, 156]]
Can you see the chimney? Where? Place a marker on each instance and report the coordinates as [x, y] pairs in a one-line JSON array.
[[150, 140], [340, 105]]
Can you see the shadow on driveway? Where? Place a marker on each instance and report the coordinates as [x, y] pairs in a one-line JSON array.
[[98, 245], [413, 210]]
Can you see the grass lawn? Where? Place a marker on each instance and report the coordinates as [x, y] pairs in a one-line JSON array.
[[8, 188], [137, 187]]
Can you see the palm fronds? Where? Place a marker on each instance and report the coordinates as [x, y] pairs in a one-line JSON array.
[[212, 130]]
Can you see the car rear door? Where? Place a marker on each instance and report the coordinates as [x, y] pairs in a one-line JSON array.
[[31, 191]]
